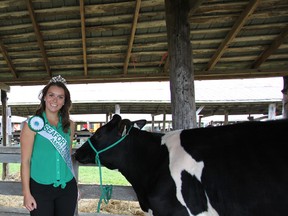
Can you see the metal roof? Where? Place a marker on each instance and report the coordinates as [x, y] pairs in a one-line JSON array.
[[155, 108], [94, 41]]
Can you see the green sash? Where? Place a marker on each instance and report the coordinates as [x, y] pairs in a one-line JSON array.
[[36, 123]]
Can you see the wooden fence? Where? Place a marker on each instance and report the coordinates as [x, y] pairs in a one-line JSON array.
[[88, 191]]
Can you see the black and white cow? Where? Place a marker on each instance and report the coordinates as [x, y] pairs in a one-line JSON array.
[[233, 170]]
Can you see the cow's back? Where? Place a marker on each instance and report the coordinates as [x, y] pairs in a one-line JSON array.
[[245, 167]]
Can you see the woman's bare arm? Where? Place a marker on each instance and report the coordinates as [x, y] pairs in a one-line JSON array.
[[26, 142]]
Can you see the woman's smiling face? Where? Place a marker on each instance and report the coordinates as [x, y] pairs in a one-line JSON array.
[[54, 99]]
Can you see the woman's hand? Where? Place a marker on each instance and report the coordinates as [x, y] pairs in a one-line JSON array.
[[29, 202]]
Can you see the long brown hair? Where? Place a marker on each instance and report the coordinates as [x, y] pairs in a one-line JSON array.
[[65, 109]]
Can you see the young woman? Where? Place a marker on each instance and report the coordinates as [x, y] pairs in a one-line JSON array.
[[48, 183]]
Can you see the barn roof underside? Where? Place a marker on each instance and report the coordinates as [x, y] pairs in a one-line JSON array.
[[96, 41], [100, 41]]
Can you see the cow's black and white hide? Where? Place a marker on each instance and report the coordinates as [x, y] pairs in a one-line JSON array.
[[234, 170]]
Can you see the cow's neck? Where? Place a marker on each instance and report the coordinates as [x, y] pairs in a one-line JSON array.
[[145, 153]]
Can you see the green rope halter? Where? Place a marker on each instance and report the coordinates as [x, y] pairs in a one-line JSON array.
[[106, 191]]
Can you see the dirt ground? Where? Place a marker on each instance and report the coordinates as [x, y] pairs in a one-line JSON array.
[[84, 205]]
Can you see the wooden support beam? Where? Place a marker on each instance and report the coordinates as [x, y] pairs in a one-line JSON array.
[[38, 36], [181, 67], [4, 98], [272, 48], [232, 34], [194, 6], [285, 97], [132, 35], [83, 31], [7, 59]]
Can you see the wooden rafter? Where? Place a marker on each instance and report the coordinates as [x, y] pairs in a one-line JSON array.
[[132, 35], [272, 48], [7, 59], [38, 36], [83, 31], [232, 34]]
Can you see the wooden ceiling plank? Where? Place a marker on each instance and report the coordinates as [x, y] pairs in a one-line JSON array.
[[118, 39], [107, 43], [232, 34], [271, 49], [132, 36], [83, 31], [143, 25], [195, 6], [38, 36], [8, 59], [9, 3]]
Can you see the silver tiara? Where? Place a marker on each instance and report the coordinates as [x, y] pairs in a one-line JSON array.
[[58, 79]]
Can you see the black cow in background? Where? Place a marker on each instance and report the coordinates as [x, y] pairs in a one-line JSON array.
[[233, 170]]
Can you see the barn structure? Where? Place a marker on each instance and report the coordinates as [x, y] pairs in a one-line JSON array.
[[118, 41], [125, 41], [98, 41]]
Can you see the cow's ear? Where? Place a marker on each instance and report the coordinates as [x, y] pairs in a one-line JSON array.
[[116, 118], [139, 123]]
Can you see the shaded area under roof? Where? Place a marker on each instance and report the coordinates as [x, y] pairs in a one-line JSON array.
[[89, 43]]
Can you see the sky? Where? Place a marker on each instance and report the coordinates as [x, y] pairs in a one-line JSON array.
[[241, 90]]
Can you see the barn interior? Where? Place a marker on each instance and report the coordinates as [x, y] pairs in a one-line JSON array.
[[95, 41], [125, 41]]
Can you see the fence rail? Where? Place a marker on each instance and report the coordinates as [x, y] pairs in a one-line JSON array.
[[88, 191]]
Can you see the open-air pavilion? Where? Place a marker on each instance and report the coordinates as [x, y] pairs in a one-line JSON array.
[[126, 41], [101, 41]]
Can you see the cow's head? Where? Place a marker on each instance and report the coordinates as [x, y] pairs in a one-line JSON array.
[[106, 136]]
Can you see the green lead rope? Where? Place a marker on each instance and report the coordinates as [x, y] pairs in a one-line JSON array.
[[106, 190]]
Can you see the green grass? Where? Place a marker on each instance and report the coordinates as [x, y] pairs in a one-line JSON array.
[[87, 175], [91, 175], [13, 168]]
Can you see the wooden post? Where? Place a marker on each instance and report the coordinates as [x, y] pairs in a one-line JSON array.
[[117, 109], [152, 123], [285, 97], [181, 69], [226, 116], [5, 167], [164, 122], [199, 120], [272, 111]]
